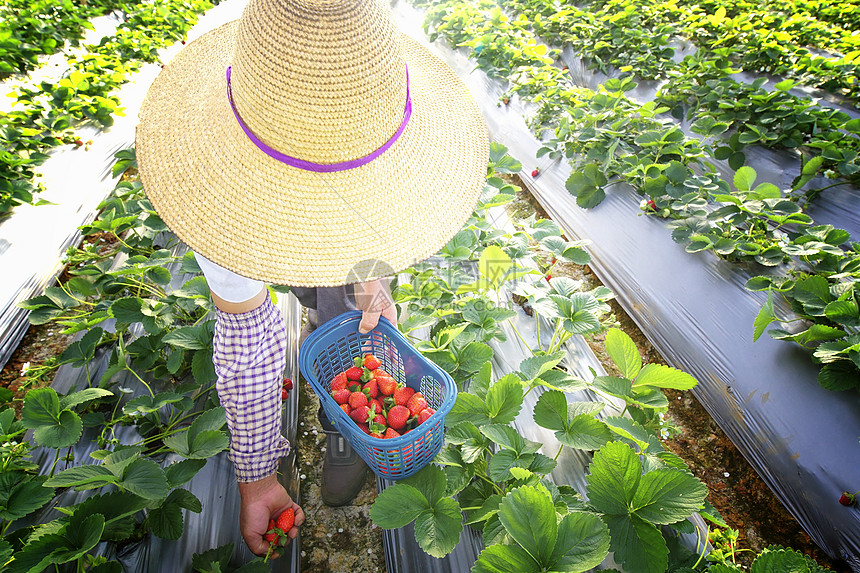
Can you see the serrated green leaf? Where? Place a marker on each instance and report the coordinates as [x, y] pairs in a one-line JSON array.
[[535, 366], [21, 494], [65, 432], [505, 559], [661, 376], [528, 515], [667, 495], [765, 317], [779, 561], [82, 477], [614, 476], [144, 478], [504, 401], [550, 410], [622, 350], [638, 545], [182, 471], [85, 395], [582, 544], [437, 529], [398, 506]]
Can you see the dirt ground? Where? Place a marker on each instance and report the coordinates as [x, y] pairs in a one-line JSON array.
[[344, 539]]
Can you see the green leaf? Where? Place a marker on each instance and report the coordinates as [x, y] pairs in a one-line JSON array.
[[202, 367], [780, 561], [550, 410], [505, 559], [534, 366], [438, 529], [80, 536], [504, 400], [528, 515], [666, 496], [166, 520], [181, 472], [623, 352], [398, 506], [508, 438], [127, 310], [584, 433], [85, 395], [144, 478], [41, 408], [82, 477], [765, 317], [494, 264], [661, 376], [582, 544], [638, 545], [614, 478], [744, 178], [22, 494], [189, 337]]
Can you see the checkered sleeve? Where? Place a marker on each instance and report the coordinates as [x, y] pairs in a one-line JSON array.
[[250, 356]]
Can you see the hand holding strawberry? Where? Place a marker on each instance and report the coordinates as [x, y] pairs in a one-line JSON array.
[[261, 500]]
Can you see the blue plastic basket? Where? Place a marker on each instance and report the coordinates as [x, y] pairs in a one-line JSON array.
[[331, 348]]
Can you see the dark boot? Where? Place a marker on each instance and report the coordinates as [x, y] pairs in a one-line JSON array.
[[343, 472]]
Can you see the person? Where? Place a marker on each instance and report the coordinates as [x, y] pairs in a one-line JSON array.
[[309, 143]]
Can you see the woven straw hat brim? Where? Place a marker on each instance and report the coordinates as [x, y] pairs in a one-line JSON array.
[[260, 218]]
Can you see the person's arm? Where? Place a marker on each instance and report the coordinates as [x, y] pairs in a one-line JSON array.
[[373, 299], [250, 356]]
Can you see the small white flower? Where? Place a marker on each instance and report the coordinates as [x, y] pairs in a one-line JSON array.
[[725, 474], [25, 368], [340, 529], [302, 476]]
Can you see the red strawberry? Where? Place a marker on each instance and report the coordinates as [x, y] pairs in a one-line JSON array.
[[372, 389], [386, 384], [338, 382], [506, 101], [371, 362], [270, 535], [357, 399], [78, 142], [354, 373], [847, 498], [535, 172], [376, 435], [286, 520], [377, 405], [346, 409], [650, 205], [380, 419], [391, 433], [380, 372], [402, 395], [397, 417], [425, 414], [341, 396], [364, 428], [288, 384], [285, 394], [359, 415], [416, 403]]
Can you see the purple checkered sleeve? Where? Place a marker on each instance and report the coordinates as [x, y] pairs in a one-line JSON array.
[[250, 356]]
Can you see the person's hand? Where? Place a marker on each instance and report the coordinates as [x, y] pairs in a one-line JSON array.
[[373, 299], [261, 501]]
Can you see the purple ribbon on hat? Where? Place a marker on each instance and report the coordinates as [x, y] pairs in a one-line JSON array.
[[322, 167]]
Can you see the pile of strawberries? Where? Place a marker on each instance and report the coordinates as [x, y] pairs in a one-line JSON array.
[[372, 399]]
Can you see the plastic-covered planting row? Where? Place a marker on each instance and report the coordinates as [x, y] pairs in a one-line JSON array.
[[214, 485], [76, 179], [402, 553], [799, 437]]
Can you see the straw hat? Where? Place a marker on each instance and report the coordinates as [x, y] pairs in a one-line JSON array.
[[343, 150]]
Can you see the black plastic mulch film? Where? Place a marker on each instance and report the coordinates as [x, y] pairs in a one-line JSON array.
[[800, 438], [214, 485]]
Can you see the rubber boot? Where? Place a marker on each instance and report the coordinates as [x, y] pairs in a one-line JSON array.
[[343, 472]]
